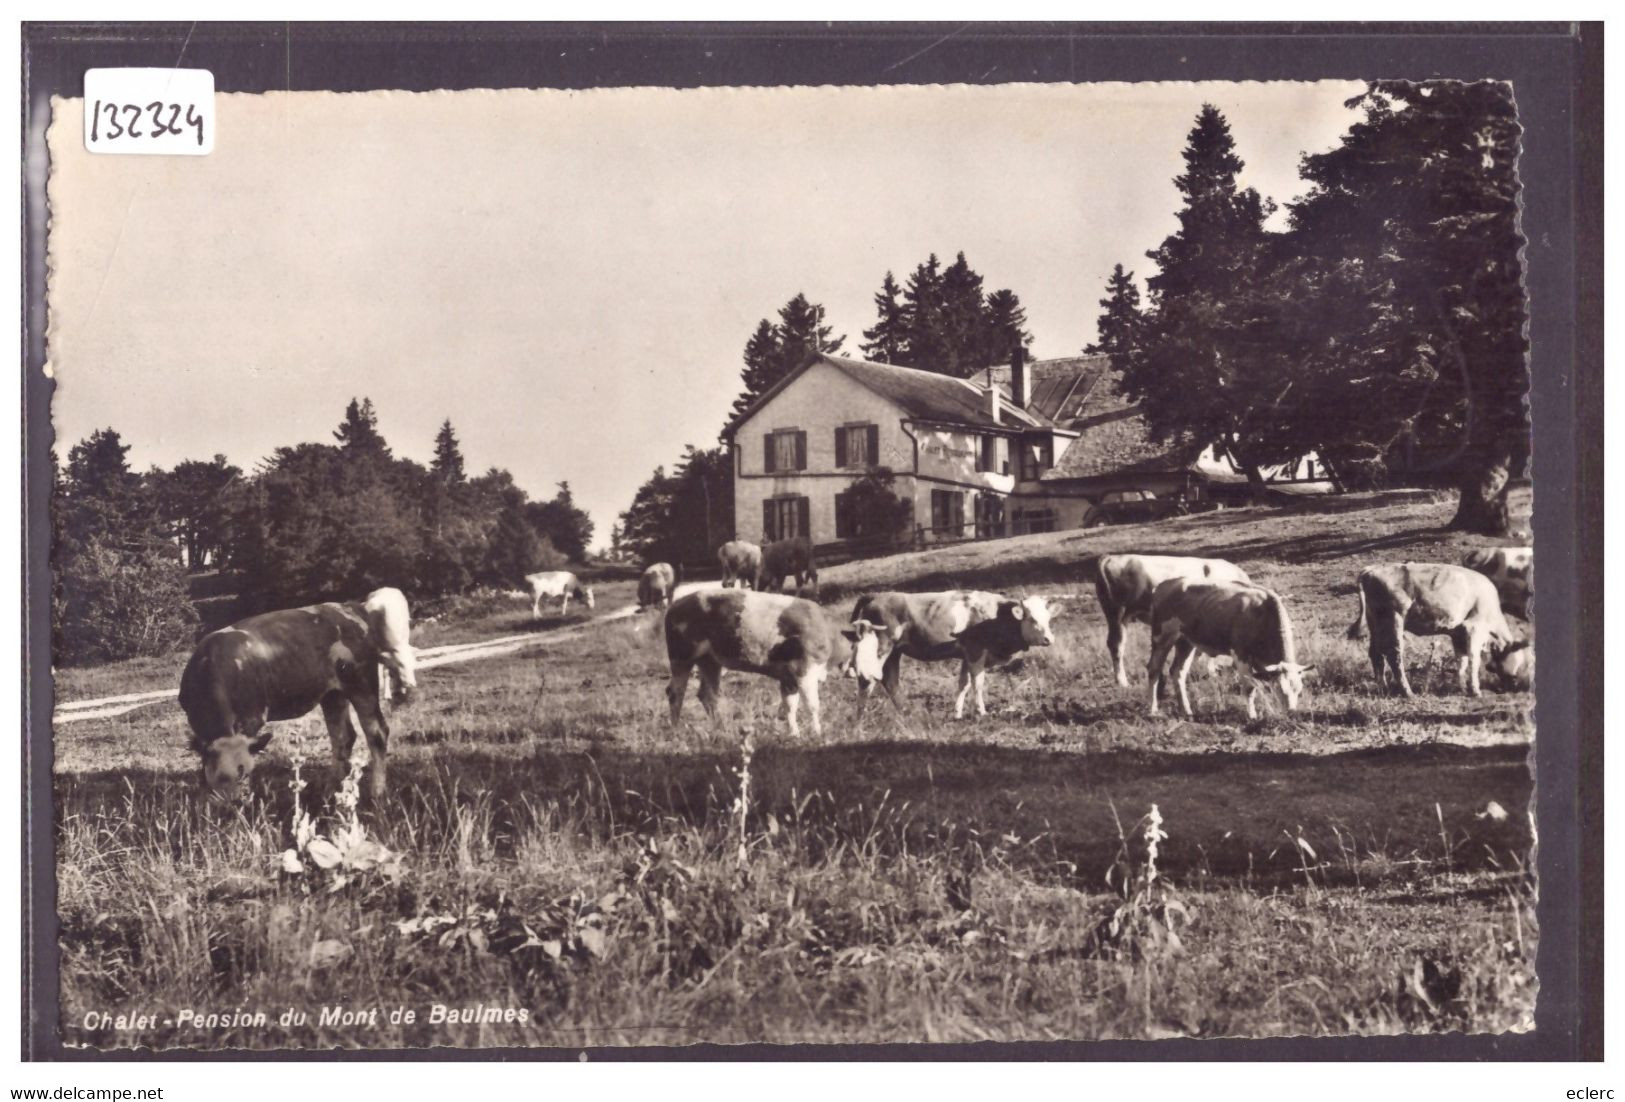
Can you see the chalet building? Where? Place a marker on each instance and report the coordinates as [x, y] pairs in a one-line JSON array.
[[1018, 448]]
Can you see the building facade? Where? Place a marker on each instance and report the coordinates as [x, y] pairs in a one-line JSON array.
[[1020, 448]]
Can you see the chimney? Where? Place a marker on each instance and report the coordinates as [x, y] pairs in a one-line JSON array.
[[1018, 378], [992, 397]]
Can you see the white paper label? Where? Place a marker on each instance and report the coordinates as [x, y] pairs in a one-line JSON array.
[[149, 111]]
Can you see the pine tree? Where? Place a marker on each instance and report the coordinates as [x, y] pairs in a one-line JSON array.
[[1120, 319], [963, 320], [448, 456], [801, 330], [945, 323], [1006, 325], [926, 346], [358, 433], [774, 351], [887, 342], [1197, 371]]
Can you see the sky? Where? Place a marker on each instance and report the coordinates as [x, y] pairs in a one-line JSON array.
[[571, 277]]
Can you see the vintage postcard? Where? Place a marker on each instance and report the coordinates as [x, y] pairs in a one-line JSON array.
[[939, 563]]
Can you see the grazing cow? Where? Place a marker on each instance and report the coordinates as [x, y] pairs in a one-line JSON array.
[[978, 628], [556, 583], [1126, 583], [1426, 598], [278, 666], [1511, 570], [786, 638], [740, 563], [656, 585], [390, 623], [787, 558], [1224, 618]]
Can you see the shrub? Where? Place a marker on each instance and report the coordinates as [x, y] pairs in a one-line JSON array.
[[122, 604]]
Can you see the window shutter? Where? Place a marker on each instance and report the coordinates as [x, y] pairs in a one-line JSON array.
[[767, 521], [767, 458], [840, 447], [801, 451], [874, 445], [804, 512], [840, 517]]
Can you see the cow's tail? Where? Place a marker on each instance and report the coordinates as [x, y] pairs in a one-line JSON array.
[[1357, 629]]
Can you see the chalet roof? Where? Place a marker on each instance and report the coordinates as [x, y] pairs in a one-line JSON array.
[[1057, 389], [1113, 438], [925, 395]]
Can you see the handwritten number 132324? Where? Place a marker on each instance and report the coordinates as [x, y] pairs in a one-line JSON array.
[[154, 120]]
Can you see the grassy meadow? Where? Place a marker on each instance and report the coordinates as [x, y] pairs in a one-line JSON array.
[[557, 865]]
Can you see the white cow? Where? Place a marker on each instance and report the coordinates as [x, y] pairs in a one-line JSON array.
[[556, 583], [1225, 618], [390, 624], [1125, 585]]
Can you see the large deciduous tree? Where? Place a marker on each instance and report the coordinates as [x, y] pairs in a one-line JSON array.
[[1419, 203], [192, 501]]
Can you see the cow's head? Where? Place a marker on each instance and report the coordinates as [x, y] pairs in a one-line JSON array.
[[866, 660], [1283, 681], [1514, 663], [228, 761], [584, 592], [1034, 615]]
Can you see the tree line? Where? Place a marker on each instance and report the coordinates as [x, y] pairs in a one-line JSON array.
[[1383, 329], [313, 522]]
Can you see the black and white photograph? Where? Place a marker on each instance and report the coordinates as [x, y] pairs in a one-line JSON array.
[[541, 568]]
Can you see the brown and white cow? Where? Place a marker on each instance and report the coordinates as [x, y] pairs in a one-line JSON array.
[[741, 561], [390, 622], [1427, 598], [1225, 618], [556, 583], [787, 558], [1125, 585], [980, 629], [279, 666], [785, 638], [656, 585], [1511, 570]]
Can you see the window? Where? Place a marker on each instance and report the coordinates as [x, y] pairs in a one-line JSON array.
[[989, 516], [1037, 456], [947, 513], [987, 455], [786, 450], [784, 517], [857, 445]]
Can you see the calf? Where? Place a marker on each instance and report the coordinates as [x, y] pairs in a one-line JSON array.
[[390, 623], [787, 558], [1427, 598], [1511, 570], [278, 666], [556, 583], [1125, 585], [785, 638], [741, 561], [934, 627], [656, 585], [1246, 621]]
